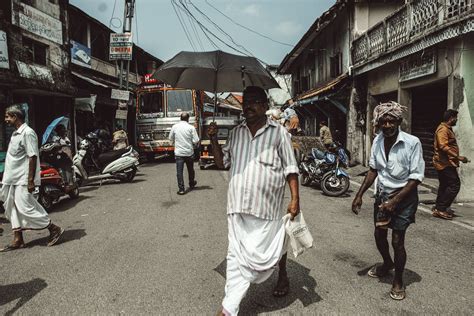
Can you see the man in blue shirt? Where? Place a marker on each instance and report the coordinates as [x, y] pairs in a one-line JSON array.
[[397, 163]]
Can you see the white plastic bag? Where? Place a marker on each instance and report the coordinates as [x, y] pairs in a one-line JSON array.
[[298, 233]]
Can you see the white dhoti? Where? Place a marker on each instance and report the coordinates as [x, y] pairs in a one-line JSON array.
[[255, 247], [22, 209]]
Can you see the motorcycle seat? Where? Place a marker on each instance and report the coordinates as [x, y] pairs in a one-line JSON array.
[[106, 158]]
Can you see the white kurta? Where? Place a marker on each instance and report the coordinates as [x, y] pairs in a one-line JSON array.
[[255, 247], [21, 208]]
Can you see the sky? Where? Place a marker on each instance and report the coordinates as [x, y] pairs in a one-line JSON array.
[[157, 28]]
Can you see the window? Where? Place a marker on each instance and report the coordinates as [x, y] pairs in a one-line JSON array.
[[180, 101], [336, 65], [53, 1], [152, 103], [36, 52]]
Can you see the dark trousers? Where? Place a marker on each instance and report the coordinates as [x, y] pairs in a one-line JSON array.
[[180, 161], [449, 186]]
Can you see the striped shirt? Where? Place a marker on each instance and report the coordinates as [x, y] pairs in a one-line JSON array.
[[259, 166]]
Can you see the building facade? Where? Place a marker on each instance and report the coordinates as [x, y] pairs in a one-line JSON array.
[[96, 77], [320, 65], [421, 55], [34, 62]]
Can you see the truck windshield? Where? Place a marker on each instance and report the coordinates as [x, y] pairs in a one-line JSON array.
[[151, 103], [180, 101]]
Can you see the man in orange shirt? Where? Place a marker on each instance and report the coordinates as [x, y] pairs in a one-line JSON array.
[[446, 159]]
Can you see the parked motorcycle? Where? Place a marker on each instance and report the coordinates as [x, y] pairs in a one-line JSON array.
[[91, 164], [326, 168], [54, 182]]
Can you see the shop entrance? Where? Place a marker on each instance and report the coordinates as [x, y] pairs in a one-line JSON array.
[[428, 105]]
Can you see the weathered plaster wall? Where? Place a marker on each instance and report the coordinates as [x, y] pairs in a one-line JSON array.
[[463, 88]]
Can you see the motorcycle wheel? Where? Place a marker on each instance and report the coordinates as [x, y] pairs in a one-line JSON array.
[[45, 201], [305, 180], [129, 176], [74, 194], [333, 185]]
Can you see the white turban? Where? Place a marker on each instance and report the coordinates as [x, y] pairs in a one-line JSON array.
[[391, 108]]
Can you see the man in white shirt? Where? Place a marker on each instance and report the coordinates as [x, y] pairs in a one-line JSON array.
[[21, 176], [397, 163], [185, 138]]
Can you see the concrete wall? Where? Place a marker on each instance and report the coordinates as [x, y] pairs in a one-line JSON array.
[[463, 88], [367, 15]]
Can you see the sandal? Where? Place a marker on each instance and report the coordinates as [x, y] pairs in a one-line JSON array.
[[55, 238], [12, 247], [398, 295], [377, 272], [282, 288]]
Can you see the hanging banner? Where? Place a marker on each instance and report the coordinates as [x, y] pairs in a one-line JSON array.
[[81, 55], [121, 46], [4, 62]]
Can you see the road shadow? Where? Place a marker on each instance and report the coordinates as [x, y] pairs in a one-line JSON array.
[[23, 292], [168, 204], [201, 188], [259, 298], [69, 235], [67, 203], [409, 276]]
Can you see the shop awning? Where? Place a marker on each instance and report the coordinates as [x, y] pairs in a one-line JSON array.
[[89, 80], [327, 87]]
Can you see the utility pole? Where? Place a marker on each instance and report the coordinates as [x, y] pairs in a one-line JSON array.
[[129, 11]]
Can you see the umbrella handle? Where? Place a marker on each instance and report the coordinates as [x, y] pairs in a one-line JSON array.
[[242, 68]]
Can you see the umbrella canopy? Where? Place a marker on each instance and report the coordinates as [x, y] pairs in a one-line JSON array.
[[50, 129], [214, 71]]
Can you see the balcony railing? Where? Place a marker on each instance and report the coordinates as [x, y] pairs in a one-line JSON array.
[[413, 20]]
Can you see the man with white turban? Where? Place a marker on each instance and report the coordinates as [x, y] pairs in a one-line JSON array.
[[397, 162]]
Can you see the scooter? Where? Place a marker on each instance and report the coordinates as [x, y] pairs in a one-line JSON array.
[[54, 185], [117, 164]]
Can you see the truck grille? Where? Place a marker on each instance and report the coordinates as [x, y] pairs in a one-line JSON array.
[[160, 135]]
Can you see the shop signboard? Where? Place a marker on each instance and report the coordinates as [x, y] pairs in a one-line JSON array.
[[117, 94], [121, 114], [81, 55], [121, 46], [37, 22], [4, 62], [34, 72], [418, 65]]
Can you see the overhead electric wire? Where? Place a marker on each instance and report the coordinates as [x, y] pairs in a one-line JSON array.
[[198, 39], [220, 29], [211, 33], [182, 25], [245, 27]]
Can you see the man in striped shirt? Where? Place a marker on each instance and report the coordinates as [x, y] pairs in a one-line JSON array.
[[261, 160]]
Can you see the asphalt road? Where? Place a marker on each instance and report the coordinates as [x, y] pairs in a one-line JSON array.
[[140, 248]]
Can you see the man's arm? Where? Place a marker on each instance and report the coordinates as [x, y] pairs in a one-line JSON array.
[[31, 148], [368, 181], [294, 206], [32, 162]]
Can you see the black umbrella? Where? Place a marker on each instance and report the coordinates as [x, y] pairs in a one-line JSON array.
[[215, 71]]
